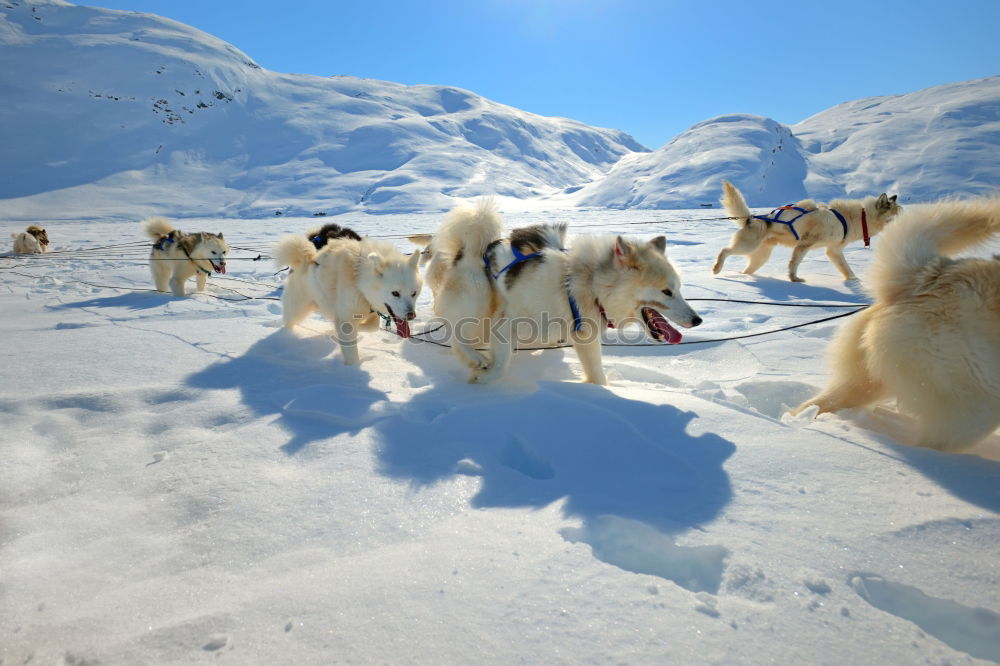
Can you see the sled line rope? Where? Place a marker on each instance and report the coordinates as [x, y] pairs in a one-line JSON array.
[[417, 337], [577, 226], [133, 258], [784, 304], [243, 297]]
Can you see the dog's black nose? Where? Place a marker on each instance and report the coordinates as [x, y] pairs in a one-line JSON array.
[[696, 321], [411, 315]]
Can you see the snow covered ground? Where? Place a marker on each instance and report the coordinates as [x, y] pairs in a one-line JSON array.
[[183, 481]]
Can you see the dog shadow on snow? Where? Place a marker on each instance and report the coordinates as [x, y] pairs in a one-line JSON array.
[[131, 301], [315, 397], [628, 470]]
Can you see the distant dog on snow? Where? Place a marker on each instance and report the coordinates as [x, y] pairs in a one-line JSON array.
[[803, 226], [176, 256], [350, 282], [33, 240], [532, 291], [932, 338], [328, 232]]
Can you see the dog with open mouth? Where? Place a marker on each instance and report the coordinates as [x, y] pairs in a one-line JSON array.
[[527, 289], [33, 240], [177, 256], [353, 283]]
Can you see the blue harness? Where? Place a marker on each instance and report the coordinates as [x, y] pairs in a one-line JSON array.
[[520, 257], [159, 245], [774, 216], [574, 308]]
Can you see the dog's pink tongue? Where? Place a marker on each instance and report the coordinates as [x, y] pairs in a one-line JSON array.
[[221, 268], [663, 327], [402, 327]]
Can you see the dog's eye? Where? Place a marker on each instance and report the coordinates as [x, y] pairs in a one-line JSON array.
[[668, 293], [396, 294], [413, 295]]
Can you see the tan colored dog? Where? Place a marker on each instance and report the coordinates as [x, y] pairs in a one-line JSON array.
[[803, 226], [33, 240], [351, 282], [176, 256], [932, 338], [527, 289]]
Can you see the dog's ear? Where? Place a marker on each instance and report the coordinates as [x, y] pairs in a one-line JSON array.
[[883, 202], [892, 199], [414, 260], [220, 236], [622, 247], [660, 243], [376, 262]]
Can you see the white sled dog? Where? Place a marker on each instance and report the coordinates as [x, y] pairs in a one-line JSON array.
[[351, 283], [803, 226], [528, 289], [932, 338], [33, 240], [176, 256]]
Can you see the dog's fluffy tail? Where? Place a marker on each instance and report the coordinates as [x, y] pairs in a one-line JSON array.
[[922, 234], [467, 231], [734, 203], [294, 251], [157, 227]]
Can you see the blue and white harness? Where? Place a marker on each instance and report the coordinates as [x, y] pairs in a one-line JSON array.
[[519, 258], [775, 216]]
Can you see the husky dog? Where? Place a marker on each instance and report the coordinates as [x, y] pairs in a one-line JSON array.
[[328, 232], [351, 283], [33, 240], [932, 338], [527, 288], [804, 225], [176, 256]]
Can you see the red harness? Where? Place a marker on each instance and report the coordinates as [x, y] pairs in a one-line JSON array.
[[864, 228]]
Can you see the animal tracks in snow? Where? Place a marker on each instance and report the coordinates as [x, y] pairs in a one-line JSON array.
[[975, 631], [519, 457], [637, 547]]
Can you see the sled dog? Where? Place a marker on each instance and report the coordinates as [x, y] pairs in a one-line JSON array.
[[328, 232], [931, 340], [803, 226], [33, 240], [176, 256], [496, 292], [351, 283]]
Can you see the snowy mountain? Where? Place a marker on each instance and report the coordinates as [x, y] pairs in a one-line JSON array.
[[758, 154], [925, 145], [108, 113], [116, 109]]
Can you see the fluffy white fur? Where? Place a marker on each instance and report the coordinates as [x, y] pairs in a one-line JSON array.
[[817, 228], [630, 280], [932, 338], [33, 240], [350, 282], [176, 256]]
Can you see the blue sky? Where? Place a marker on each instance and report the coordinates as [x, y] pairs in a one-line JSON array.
[[651, 68]]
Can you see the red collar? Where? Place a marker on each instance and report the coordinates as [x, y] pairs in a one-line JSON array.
[[604, 315], [864, 227]]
